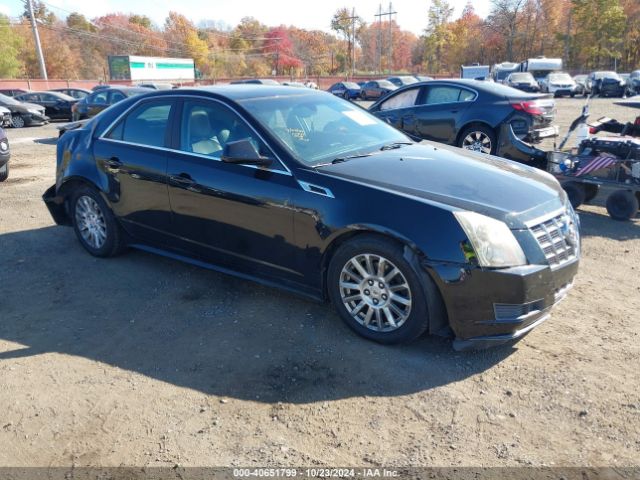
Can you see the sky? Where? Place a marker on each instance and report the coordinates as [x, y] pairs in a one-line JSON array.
[[309, 14]]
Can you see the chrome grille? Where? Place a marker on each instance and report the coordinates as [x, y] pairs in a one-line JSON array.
[[558, 238]]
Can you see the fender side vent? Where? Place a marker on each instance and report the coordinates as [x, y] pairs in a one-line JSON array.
[[311, 188]]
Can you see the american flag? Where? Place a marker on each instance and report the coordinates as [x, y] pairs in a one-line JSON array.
[[601, 161]]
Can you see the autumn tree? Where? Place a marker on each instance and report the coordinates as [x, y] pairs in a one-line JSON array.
[[437, 34]]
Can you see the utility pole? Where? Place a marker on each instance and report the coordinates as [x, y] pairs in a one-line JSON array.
[[36, 38], [352, 46], [380, 15], [390, 61]]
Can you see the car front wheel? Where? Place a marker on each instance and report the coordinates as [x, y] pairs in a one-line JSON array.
[[17, 121], [94, 223], [4, 172], [479, 139], [377, 292]]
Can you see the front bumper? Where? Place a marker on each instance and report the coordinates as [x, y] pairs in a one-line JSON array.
[[488, 307], [5, 120]]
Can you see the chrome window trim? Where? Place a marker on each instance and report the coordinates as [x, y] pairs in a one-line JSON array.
[[111, 126], [198, 155]]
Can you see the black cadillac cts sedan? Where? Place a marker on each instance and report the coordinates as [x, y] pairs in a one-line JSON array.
[[302, 190]]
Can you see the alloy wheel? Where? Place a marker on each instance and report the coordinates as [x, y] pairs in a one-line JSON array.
[[91, 222], [478, 142], [375, 292], [17, 121]]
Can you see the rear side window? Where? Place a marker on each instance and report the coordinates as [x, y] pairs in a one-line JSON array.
[[446, 94], [401, 100], [144, 125]]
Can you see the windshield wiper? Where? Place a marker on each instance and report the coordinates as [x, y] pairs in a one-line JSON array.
[[394, 145], [343, 159]]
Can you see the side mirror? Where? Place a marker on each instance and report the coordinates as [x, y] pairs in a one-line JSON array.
[[243, 151]]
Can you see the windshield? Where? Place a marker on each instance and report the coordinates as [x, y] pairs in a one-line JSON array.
[[386, 84], [560, 77], [317, 129], [408, 80], [599, 75], [521, 77], [8, 100]]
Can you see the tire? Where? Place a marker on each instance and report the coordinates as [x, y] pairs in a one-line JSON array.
[[87, 201], [411, 319], [576, 192], [474, 137], [17, 121], [622, 205], [572, 95], [4, 172], [363, 96], [591, 191], [346, 96]]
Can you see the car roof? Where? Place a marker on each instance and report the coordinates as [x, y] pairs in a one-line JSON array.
[[125, 89], [247, 91]]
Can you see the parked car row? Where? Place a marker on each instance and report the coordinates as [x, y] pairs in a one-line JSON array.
[[600, 83], [374, 89]]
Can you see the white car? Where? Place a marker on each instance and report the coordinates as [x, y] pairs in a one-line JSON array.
[[559, 83]]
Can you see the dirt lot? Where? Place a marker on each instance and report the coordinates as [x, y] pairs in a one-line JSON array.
[[142, 360]]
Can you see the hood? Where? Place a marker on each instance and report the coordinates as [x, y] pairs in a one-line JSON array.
[[24, 106], [501, 189]]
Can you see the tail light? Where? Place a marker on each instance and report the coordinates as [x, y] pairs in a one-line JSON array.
[[637, 122], [593, 130], [530, 107]]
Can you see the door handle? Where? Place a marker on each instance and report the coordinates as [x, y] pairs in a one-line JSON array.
[[183, 179], [113, 164]]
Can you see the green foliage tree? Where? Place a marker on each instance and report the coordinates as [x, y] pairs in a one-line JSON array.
[[600, 25], [10, 65]]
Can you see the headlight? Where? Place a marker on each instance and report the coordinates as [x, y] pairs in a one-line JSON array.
[[492, 241], [4, 146], [34, 112]]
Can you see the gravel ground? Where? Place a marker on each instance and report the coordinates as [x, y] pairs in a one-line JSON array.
[[141, 360]]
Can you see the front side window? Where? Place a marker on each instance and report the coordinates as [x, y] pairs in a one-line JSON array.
[[206, 127], [99, 98], [116, 97], [401, 100], [144, 125]]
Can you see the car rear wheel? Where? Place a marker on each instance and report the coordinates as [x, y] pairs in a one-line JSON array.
[[377, 292], [4, 172], [345, 95], [17, 121], [622, 205], [576, 192], [478, 138], [94, 224]]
